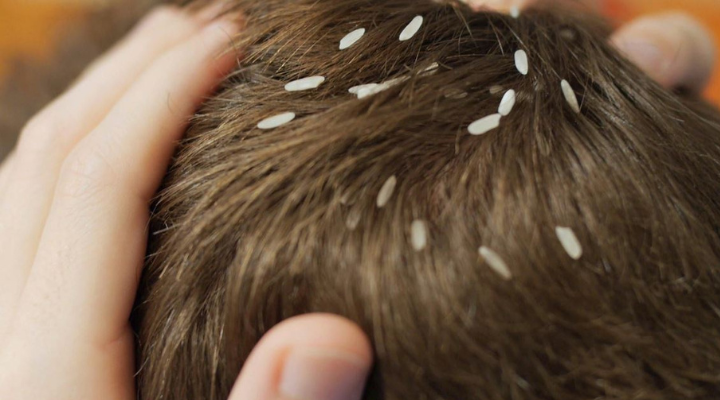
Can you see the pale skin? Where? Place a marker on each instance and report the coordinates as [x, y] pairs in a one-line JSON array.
[[74, 201]]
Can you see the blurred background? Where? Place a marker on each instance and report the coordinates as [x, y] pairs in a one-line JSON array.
[[707, 11], [31, 28], [44, 44]]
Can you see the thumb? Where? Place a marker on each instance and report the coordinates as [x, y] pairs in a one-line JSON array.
[[673, 48], [311, 357]]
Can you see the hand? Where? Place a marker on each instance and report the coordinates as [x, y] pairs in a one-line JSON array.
[[74, 202], [672, 48]]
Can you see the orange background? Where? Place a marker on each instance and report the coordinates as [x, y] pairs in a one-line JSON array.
[[30, 27], [707, 11]]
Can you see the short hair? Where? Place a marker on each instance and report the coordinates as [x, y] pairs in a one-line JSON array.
[[567, 250]]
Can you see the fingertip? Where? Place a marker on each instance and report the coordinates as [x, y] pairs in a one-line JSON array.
[[212, 11], [321, 330], [673, 48], [221, 33], [503, 6], [311, 357], [219, 40], [510, 6]]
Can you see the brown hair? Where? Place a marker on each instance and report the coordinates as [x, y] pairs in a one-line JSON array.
[[255, 226]]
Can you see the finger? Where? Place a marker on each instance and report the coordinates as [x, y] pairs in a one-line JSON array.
[[313, 357], [496, 5], [509, 5], [5, 171], [77, 302], [5, 168], [163, 27], [49, 138], [672, 48], [93, 245]]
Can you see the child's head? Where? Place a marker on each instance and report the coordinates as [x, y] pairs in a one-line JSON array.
[[569, 253]]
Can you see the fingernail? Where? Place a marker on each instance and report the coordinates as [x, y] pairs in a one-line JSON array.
[[319, 374], [645, 55]]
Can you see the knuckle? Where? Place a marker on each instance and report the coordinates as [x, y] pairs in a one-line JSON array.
[[43, 133], [85, 173]]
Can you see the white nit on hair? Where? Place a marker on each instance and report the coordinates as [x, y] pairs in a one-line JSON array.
[[351, 38], [495, 262], [507, 103], [355, 89], [485, 125], [432, 67], [418, 234], [371, 90], [515, 11], [276, 121], [386, 191], [412, 28], [308, 83], [570, 96], [375, 88], [521, 62], [569, 241]]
